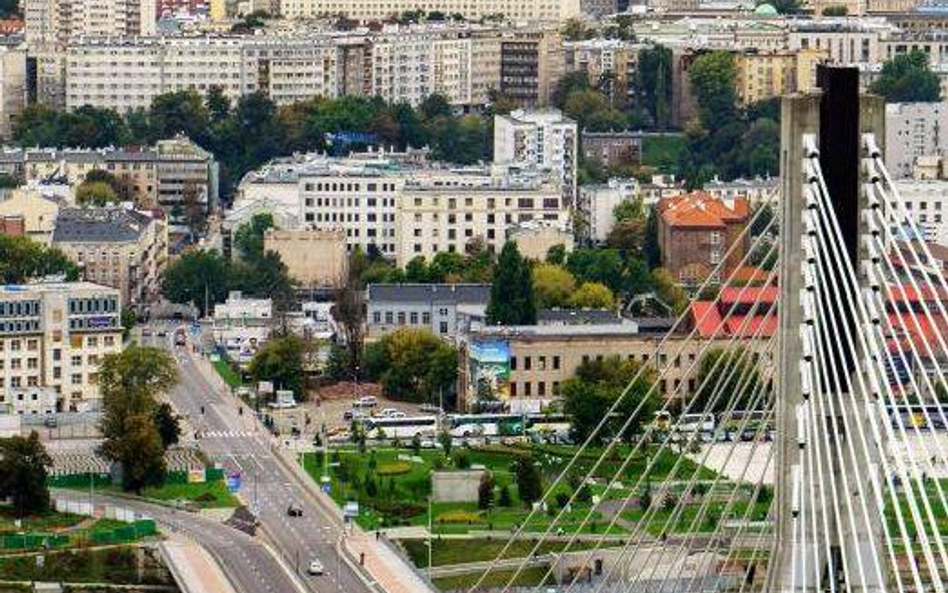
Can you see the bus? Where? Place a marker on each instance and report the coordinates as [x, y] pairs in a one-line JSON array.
[[920, 416], [690, 427], [400, 428], [550, 428], [486, 425]]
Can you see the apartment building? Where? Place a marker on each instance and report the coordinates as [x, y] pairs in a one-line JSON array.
[[696, 231], [531, 64], [116, 247], [450, 214], [849, 42], [605, 59], [760, 76], [442, 308], [55, 334], [28, 213], [927, 202], [125, 73], [369, 10], [539, 139], [13, 88], [56, 21], [170, 175], [914, 130]]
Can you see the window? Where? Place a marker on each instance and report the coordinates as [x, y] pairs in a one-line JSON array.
[[76, 379], [513, 363], [443, 328], [401, 318], [541, 388], [377, 317], [76, 360], [527, 363], [389, 318], [426, 318], [413, 318], [541, 363], [527, 389], [556, 363]]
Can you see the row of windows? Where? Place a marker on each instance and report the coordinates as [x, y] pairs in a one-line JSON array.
[[19, 327], [17, 382], [93, 305], [350, 187], [526, 389], [19, 308], [410, 318]]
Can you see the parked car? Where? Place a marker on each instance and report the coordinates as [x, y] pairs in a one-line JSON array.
[[430, 409], [366, 401], [350, 415], [294, 511], [315, 567]]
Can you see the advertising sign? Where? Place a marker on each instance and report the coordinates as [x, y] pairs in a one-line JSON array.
[[490, 368], [233, 482]]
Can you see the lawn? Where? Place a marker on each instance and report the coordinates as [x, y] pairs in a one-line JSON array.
[[446, 552], [47, 522], [663, 152], [529, 577], [227, 373], [113, 565], [209, 495], [393, 486], [685, 521], [939, 512]]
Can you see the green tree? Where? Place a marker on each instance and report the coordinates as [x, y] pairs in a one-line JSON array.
[[198, 277], [596, 387], [180, 112], [908, 78], [21, 259], [592, 295], [668, 291], [504, 500], [652, 248], [576, 30], [552, 285], [725, 374], [485, 491], [130, 383], [96, 193], [249, 236], [653, 85], [8, 181], [282, 361], [168, 424], [512, 300], [836, 10], [597, 265], [783, 6], [413, 364], [712, 78], [529, 481], [24, 464]]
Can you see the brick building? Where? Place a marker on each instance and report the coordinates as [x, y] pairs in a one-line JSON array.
[[697, 230]]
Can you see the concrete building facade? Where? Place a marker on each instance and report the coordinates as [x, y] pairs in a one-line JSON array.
[[55, 335], [314, 258], [442, 308], [515, 10], [539, 139], [914, 130], [13, 88]]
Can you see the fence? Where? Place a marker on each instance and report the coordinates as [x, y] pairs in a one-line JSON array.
[[125, 534], [98, 480]]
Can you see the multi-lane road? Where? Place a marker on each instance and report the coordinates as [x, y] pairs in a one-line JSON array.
[[239, 443]]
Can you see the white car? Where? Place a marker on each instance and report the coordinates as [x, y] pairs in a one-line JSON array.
[[430, 409], [390, 413], [315, 567], [365, 402]]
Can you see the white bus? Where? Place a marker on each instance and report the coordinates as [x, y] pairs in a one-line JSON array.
[[486, 425], [690, 427], [400, 428]]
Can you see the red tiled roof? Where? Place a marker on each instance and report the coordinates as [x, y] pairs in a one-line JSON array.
[[709, 320], [10, 26], [702, 210]]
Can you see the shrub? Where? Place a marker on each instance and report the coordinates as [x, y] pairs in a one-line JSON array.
[[459, 517], [395, 509], [394, 468], [562, 499], [504, 499], [462, 461]]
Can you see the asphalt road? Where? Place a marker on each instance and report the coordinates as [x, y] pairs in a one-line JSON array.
[[249, 566], [239, 443]]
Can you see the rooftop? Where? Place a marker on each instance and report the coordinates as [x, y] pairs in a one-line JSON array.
[[52, 286], [702, 210], [427, 293], [99, 225]]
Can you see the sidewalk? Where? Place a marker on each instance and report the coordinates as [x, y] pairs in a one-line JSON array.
[[391, 573], [193, 568]]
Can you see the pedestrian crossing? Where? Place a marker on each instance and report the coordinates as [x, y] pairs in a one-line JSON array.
[[226, 434]]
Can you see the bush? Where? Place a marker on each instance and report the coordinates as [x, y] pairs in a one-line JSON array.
[[396, 509], [562, 499], [462, 461], [459, 517], [504, 499], [395, 468]]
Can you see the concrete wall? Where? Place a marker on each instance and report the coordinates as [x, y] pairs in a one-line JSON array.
[[459, 486]]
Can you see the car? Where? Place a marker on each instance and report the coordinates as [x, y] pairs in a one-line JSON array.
[[146, 333], [353, 415], [50, 422], [294, 511], [430, 409], [366, 401], [315, 567], [162, 333], [388, 413]]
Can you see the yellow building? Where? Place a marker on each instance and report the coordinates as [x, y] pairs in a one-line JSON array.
[[761, 76], [315, 258], [26, 212]]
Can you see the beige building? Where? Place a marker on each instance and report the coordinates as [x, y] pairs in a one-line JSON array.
[[515, 10], [12, 88], [761, 76], [432, 216], [124, 249], [55, 335], [314, 258], [534, 240], [31, 213]]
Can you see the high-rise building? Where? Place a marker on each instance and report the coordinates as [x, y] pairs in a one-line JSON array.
[[539, 139], [12, 87], [914, 130], [55, 334], [535, 10], [56, 21]]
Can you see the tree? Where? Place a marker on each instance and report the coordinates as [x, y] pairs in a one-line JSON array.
[[130, 383], [413, 364], [529, 481], [198, 277], [836, 10], [712, 78], [249, 236], [652, 248], [552, 285], [726, 374], [597, 265], [783, 6], [281, 361], [96, 193], [21, 259], [9, 8], [485, 491], [576, 30], [668, 291], [180, 112], [24, 465], [653, 85], [446, 442], [168, 424], [8, 181], [908, 78], [592, 295], [596, 387], [349, 310], [504, 500], [511, 298]]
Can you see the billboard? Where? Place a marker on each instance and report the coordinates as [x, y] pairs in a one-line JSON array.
[[490, 369]]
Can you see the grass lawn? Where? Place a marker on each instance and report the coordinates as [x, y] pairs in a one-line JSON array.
[[685, 521], [663, 152], [47, 522], [112, 565], [210, 495], [939, 512], [529, 577], [231, 377], [461, 551]]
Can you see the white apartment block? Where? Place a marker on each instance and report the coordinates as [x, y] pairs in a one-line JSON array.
[[12, 88], [914, 130], [54, 335], [57, 21], [435, 215], [128, 73], [514, 10], [849, 42], [539, 139], [927, 201]]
